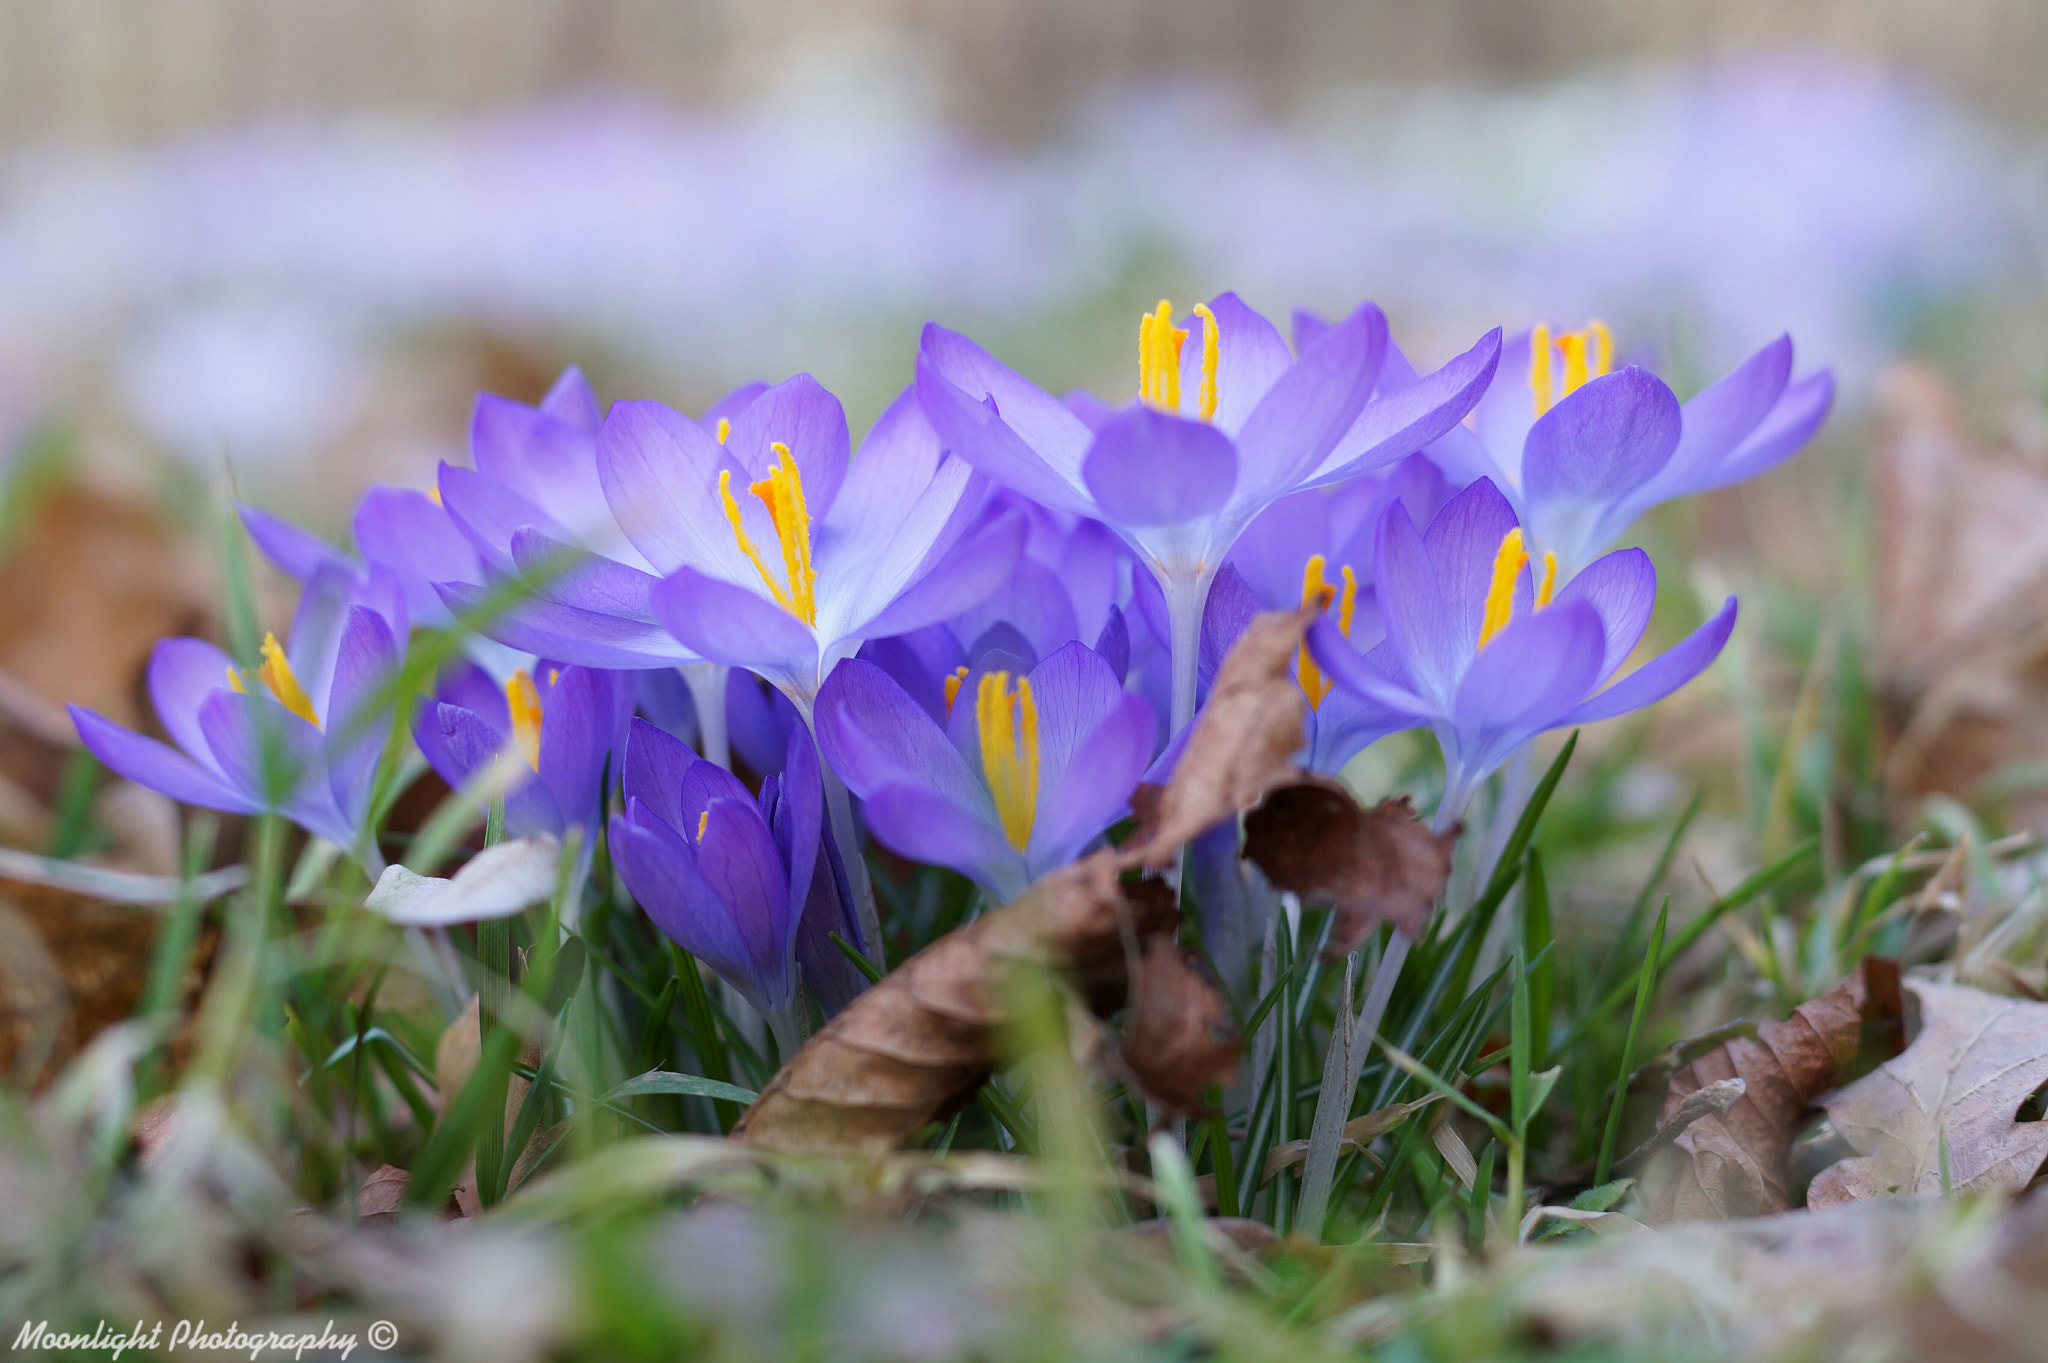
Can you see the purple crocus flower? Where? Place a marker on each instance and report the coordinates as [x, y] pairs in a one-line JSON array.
[[562, 724], [1489, 655], [1226, 422], [1582, 449], [1025, 772], [751, 885], [301, 734], [397, 530]]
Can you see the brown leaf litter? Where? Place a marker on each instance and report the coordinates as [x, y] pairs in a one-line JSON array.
[[1374, 865]]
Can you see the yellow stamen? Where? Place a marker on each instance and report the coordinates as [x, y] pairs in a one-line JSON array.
[[235, 681], [724, 428], [1347, 602], [1500, 595], [782, 492], [1549, 582], [703, 822], [1316, 592], [522, 698], [1572, 345], [1540, 386], [1159, 342], [276, 673], [953, 686], [554, 675], [1603, 347], [1009, 752], [1212, 352], [435, 494]]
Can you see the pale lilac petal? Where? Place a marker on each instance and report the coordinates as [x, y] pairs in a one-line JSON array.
[[977, 565], [1721, 416], [574, 577], [407, 532], [543, 460], [1091, 788], [731, 405], [1150, 469], [873, 734], [1622, 587], [897, 460], [1303, 416], [158, 766], [571, 400], [1418, 612], [1404, 420], [1003, 424], [1526, 680], [488, 514], [275, 755], [799, 413], [1504, 413], [862, 569], [182, 674], [1360, 672], [1034, 601], [297, 552], [1663, 674], [923, 825], [728, 624], [1464, 540], [659, 470], [550, 630], [1250, 358], [1602, 442], [1780, 435]]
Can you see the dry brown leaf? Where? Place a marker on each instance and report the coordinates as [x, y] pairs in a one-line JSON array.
[[1976, 1059], [1374, 865], [382, 1194], [1179, 1037], [1243, 743], [919, 1043], [1734, 1164]]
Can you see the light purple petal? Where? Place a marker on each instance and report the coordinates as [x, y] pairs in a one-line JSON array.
[[923, 825], [1150, 469], [1721, 416], [182, 674], [566, 634], [728, 624], [660, 472], [1663, 674], [1303, 416], [1464, 540], [582, 713], [1420, 624], [1526, 680], [359, 709], [408, 533], [977, 565], [273, 754], [1250, 358], [738, 859], [1225, 615], [873, 734], [297, 552], [1602, 442], [1622, 586], [1780, 435], [1398, 423], [1091, 788], [1360, 672], [488, 514], [545, 461], [571, 576], [1006, 426], [799, 413], [158, 766], [660, 870], [731, 405], [571, 400]]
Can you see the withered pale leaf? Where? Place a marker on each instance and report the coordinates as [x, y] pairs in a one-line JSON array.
[[1179, 1037], [1243, 744], [1374, 865], [1975, 1061], [1734, 1163]]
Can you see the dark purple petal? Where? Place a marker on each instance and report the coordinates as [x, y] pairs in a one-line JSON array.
[[583, 713], [663, 697], [919, 662], [297, 552], [1006, 426], [159, 766], [758, 721], [1032, 600], [1114, 645], [724, 623], [660, 870], [799, 413], [800, 815], [655, 766], [564, 633], [923, 825], [835, 980], [1303, 416], [1623, 587], [1225, 615], [1150, 469], [1409, 418], [1603, 441], [738, 859], [1663, 674]]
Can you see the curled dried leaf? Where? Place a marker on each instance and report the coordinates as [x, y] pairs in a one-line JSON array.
[[1179, 1037], [1374, 865], [1734, 1163], [1242, 745]]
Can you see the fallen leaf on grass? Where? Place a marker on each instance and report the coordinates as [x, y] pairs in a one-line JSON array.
[[1734, 1163], [1242, 745], [1975, 1061], [1374, 865], [382, 1194], [1179, 1037]]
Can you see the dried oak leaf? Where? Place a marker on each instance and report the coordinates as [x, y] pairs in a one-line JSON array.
[[1242, 745], [921, 1041], [1179, 1037], [1374, 865], [1975, 1061], [1734, 1164]]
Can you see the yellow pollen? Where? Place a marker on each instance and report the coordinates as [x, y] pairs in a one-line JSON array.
[[435, 494], [276, 674], [782, 492], [1212, 351], [523, 700], [1500, 595], [1347, 601], [1549, 582], [1009, 752], [1586, 354], [554, 675], [953, 686], [1159, 343], [703, 822], [724, 428], [1319, 593], [235, 681]]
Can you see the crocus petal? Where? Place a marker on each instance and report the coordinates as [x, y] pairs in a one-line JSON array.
[[660, 472], [738, 859], [1526, 680], [298, 552], [1781, 434], [1092, 787], [732, 404], [1114, 645], [1663, 674], [758, 721], [573, 577], [924, 825], [1034, 601], [489, 513], [1250, 358], [359, 709], [316, 629], [660, 870], [1603, 441], [550, 630], [898, 457], [655, 766], [1359, 672], [977, 565], [1407, 419], [547, 462], [275, 756], [182, 674], [835, 980], [1304, 415], [1418, 611], [410, 534], [1225, 615], [1006, 426], [158, 766], [582, 714], [570, 399], [1622, 586], [919, 662], [799, 413], [873, 734], [800, 814], [728, 624], [1722, 415], [1150, 469], [1463, 540]]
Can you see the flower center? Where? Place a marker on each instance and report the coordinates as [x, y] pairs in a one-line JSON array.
[[1571, 354], [1508, 562], [1159, 343], [1008, 723], [953, 680], [522, 698], [782, 492], [276, 673], [1314, 589]]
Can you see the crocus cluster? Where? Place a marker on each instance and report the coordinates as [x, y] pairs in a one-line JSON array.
[[703, 638]]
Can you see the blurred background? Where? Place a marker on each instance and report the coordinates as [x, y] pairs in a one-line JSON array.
[[285, 241]]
